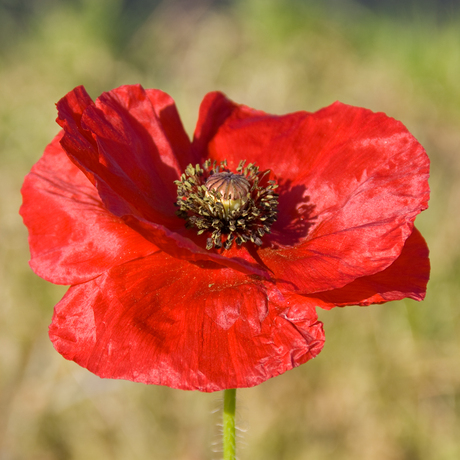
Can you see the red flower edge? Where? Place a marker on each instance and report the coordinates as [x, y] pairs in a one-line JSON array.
[[149, 303]]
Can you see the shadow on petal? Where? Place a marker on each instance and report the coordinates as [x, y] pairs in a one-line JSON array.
[[295, 215]]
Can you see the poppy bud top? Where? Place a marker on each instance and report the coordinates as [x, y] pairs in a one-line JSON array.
[[232, 207], [232, 190]]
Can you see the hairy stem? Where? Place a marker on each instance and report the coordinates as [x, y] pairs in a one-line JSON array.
[[229, 442]]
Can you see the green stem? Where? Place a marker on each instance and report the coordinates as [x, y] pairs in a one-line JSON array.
[[229, 424]]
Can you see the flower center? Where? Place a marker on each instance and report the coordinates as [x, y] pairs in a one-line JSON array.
[[232, 207]]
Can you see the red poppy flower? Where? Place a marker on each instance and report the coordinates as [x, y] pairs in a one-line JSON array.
[[207, 276]]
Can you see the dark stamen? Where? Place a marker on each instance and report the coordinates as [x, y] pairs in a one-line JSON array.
[[233, 207]]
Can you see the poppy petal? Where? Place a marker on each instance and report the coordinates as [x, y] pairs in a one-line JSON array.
[[406, 277], [72, 237], [126, 151], [351, 184], [168, 322]]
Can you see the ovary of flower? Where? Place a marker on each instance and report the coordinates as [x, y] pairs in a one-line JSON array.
[[229, 189]]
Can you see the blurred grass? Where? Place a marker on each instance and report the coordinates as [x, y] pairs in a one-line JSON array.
[[387, 384]]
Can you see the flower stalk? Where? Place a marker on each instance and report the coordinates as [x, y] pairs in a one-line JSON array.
[[229, 438]]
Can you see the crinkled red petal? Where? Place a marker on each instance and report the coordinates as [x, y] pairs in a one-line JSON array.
[[406, 277], [351, 184], [72, 237], [126, 150], [159, 320]]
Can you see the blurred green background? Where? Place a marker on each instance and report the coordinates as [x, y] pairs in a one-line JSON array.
[[387, 384]]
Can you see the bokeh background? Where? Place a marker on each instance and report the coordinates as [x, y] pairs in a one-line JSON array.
[[387, 384]]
